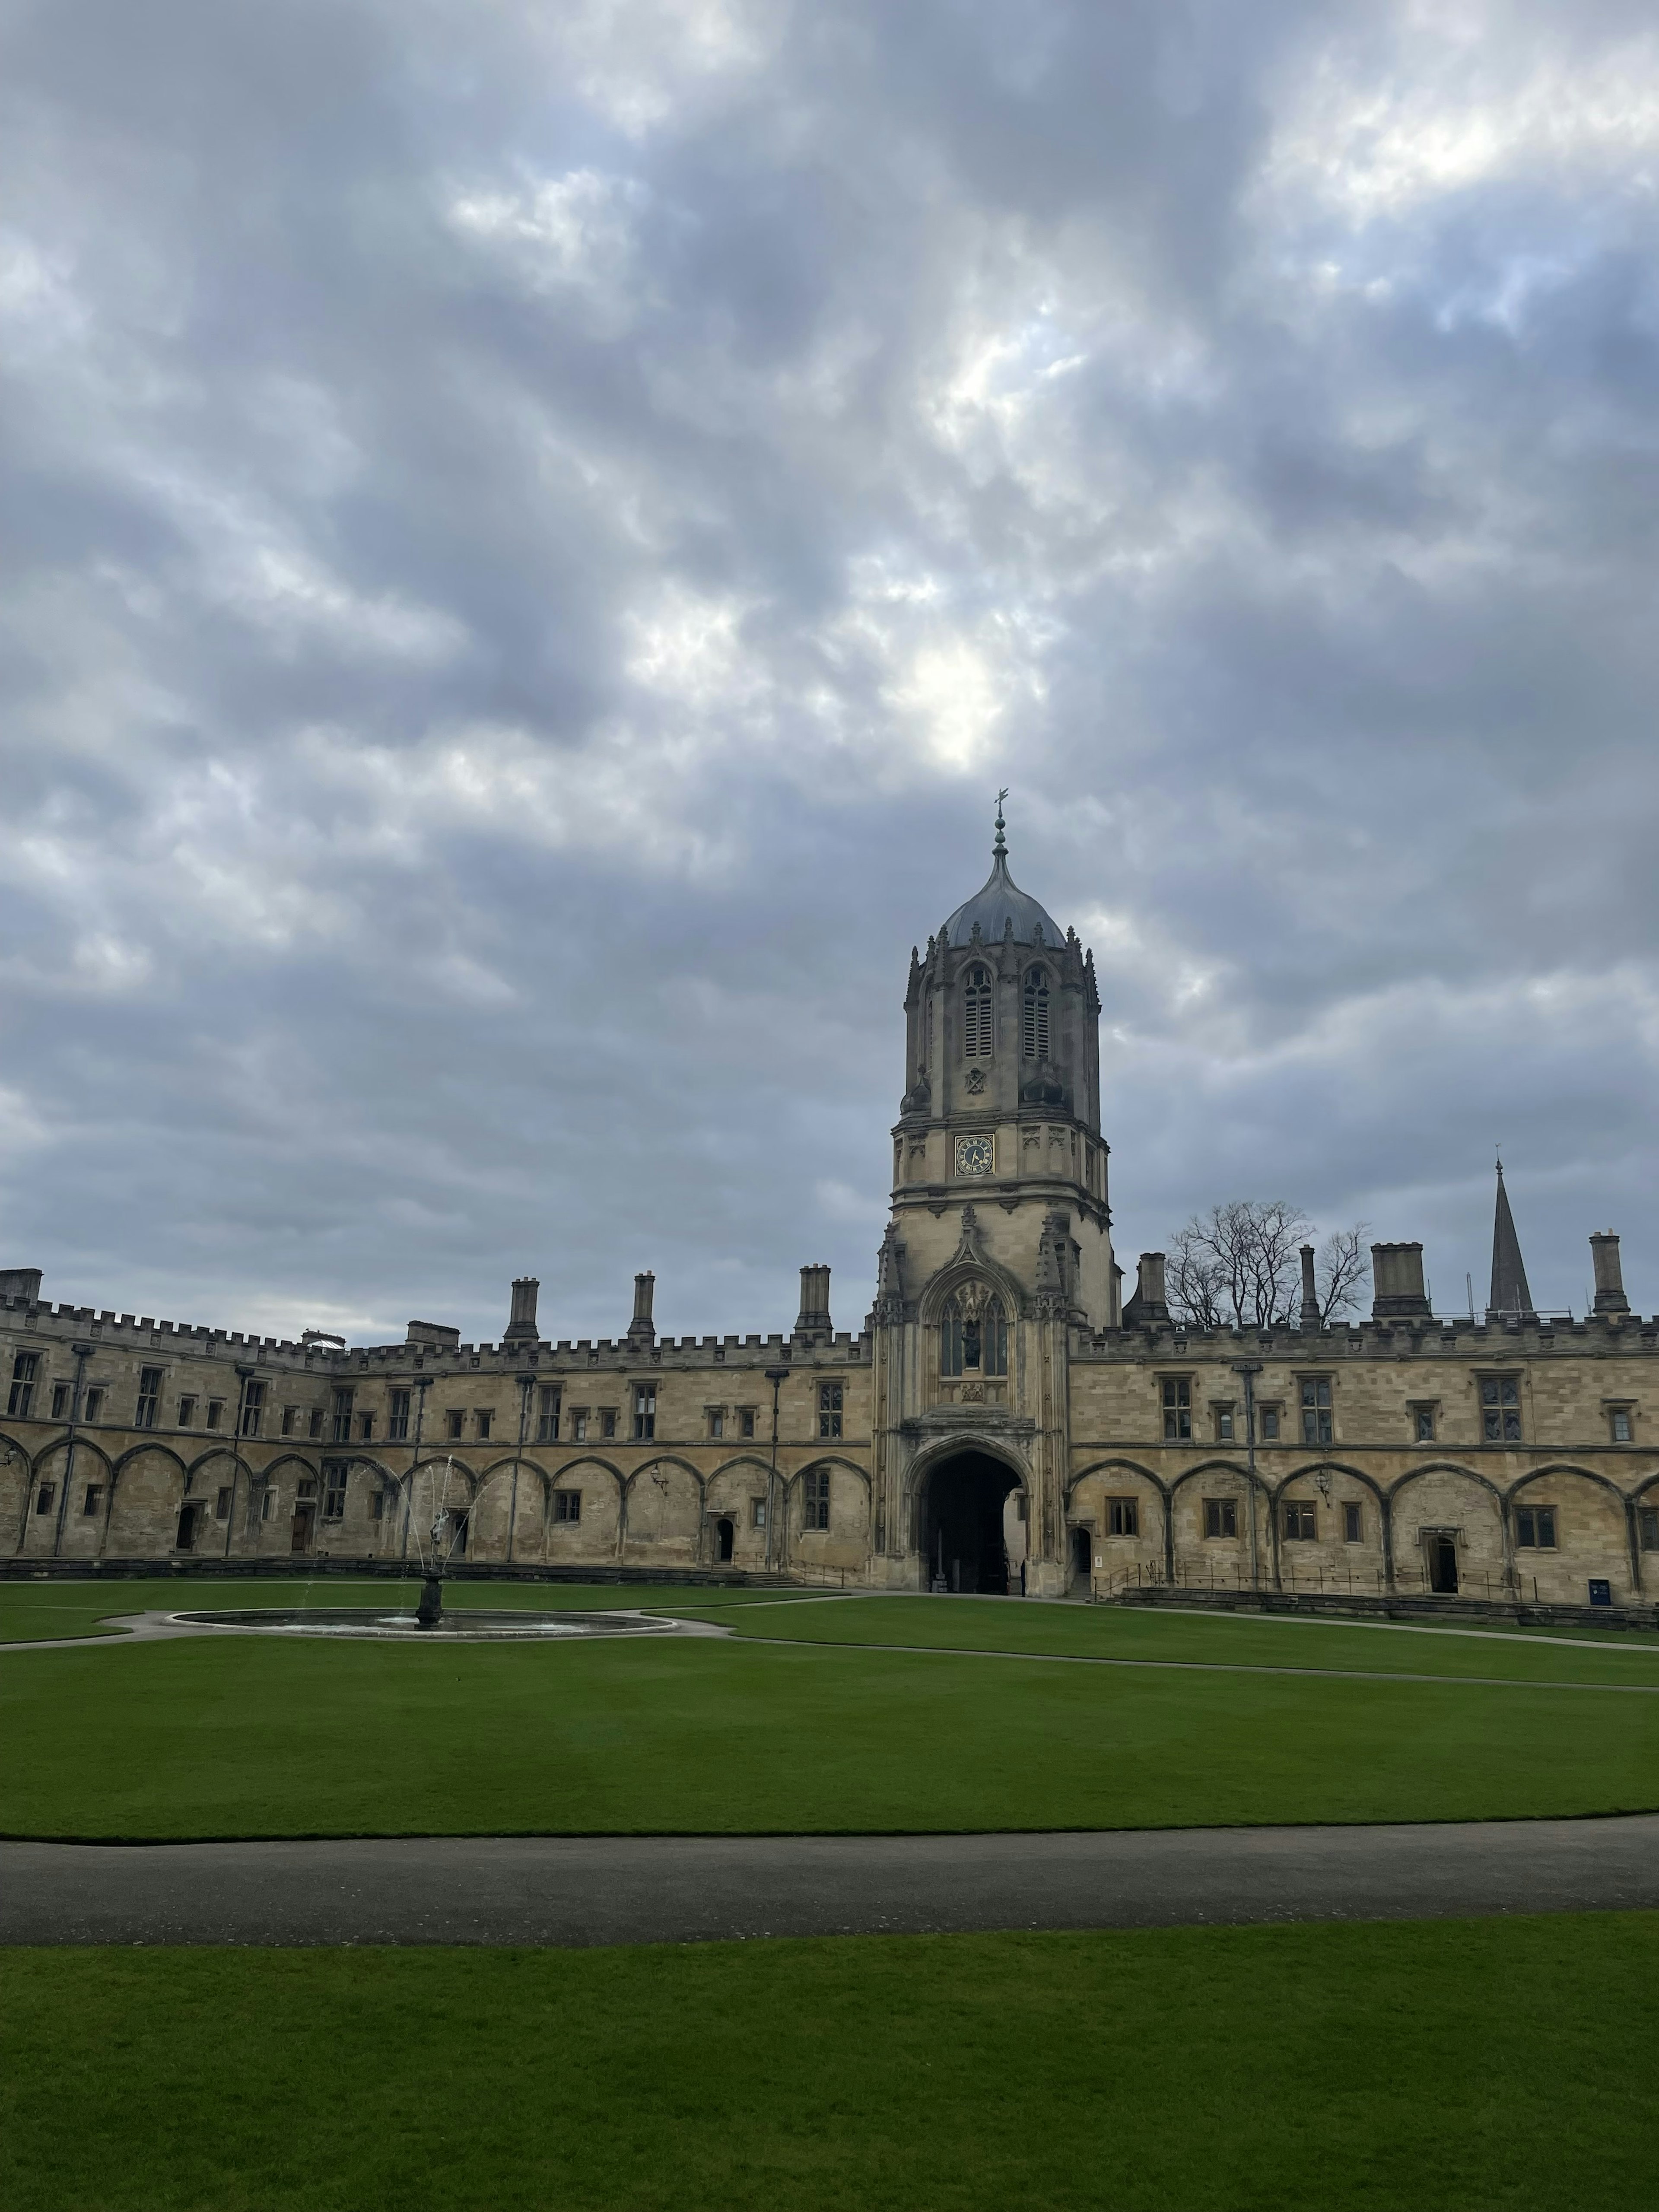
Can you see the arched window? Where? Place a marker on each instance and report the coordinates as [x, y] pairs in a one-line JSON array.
[[1036, 1014], [973, 1334], [977, 1014]]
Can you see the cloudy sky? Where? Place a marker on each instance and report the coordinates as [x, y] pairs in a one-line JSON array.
[[533, 533]]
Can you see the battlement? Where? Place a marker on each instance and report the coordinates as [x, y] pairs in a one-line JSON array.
[[1427, 1336], [560, 1356], [142, 1333]]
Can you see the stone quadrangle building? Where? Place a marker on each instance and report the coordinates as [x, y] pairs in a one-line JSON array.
[[1003, 1420]]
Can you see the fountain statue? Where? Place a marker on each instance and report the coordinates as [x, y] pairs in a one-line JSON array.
[[434, 1537]]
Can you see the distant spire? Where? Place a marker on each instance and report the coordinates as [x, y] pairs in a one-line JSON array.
[[1510, 1296], [1001, 844]]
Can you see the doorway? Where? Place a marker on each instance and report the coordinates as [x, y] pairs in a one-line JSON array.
[[962, 1539], [1083, 1556], [190, 1521], [726, 1536], [305, 1515], [1442, 1565]]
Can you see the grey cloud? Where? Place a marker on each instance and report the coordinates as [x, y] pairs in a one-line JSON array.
[[527, 542]]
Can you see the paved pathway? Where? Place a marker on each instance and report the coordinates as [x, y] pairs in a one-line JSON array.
[[645, 1889]]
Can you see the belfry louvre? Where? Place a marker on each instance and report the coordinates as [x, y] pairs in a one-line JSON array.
[[1005, 1420]]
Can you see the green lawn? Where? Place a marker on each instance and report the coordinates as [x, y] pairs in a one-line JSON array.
[[258, 1737], [1105, 1632], [1452, 2065]]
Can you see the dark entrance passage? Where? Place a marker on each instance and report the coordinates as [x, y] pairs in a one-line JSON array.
[[1442, 1566], [305, 1515], [963, 1545], [726, 1535], [190, 1518], [1082, 1562]]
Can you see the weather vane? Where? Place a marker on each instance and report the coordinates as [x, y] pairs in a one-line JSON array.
[[1001, 795]]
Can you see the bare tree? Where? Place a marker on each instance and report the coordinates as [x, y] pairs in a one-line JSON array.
[[1239, 1265], [1195, 1279], [1340, 1271]]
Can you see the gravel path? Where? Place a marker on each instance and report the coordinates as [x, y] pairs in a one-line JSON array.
[[645, 1889]]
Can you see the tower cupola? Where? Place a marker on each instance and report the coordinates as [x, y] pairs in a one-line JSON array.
[[1000, 910]]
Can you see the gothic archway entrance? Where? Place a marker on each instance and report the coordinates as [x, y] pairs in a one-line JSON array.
[[970, 1529]]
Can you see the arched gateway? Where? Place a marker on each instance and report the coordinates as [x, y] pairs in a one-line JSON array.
[[971, 1510]]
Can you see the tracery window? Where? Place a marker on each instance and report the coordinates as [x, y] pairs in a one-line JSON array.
[[973, 1333], [1500, 1409], [977, 1014], [1316, 1410], [1036, 1033], [24, 1369], [816, 1508]]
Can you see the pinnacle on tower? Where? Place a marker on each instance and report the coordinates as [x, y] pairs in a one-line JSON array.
[[1510, 1299]]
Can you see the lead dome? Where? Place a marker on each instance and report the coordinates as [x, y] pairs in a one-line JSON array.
[[998, 905]]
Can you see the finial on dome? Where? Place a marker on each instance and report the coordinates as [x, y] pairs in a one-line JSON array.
[[1000, 845]]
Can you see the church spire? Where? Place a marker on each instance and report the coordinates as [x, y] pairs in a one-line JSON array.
[[1511, 1298]]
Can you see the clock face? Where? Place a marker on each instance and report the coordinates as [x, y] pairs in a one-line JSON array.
[[973, 1156]]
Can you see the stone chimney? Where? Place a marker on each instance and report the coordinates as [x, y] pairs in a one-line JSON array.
[[25, 1282], [1149, 1303], [1609, 1274], [642, 1329], [1397, 1282], [1311, 1316], [438, 1333], [521, 1328], [813, 1319]]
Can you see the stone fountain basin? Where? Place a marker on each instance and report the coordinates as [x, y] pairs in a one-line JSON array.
[[470, 1626]]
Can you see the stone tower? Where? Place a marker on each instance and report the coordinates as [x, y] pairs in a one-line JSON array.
[[999, 1241]]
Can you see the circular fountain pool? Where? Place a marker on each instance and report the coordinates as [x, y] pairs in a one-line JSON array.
[[470, 1626]]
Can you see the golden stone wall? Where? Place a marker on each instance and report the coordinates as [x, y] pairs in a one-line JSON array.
[[1566, 1502], [260, 1485], [1373, 1501]]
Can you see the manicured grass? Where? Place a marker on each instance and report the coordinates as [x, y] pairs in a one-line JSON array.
[[28, 1616], [1227, 1639], [257, 1737], [1418, 2065]]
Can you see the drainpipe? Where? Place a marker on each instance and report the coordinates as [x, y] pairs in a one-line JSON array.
[[1387, 1517], [423, 1384], [526, 1383], [82, 1353], [243, 1376], [1250, 1369], [776, 1376], [1633, 1534]]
